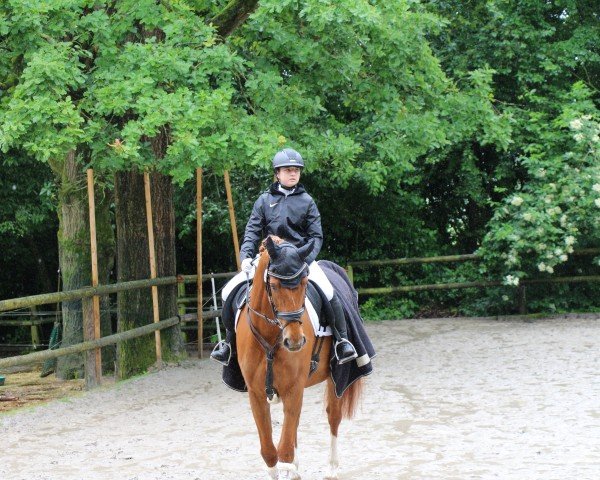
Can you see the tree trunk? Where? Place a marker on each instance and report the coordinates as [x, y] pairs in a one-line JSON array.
[[74, 258], [135, 307]]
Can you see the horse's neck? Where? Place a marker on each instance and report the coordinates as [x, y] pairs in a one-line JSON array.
[[259, 300]]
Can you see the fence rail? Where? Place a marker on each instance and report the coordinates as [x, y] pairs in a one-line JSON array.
[[86, 293], [459, 285], [92, 344]]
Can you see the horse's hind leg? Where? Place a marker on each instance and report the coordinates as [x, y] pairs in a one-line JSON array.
[[262, 417], [334, 415]]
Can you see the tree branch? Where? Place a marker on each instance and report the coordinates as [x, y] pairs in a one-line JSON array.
[[233, 15]]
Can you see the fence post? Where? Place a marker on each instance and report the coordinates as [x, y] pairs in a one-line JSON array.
[[92, 376], [350, 274], [181, 305], [180, 295], [35, 330]]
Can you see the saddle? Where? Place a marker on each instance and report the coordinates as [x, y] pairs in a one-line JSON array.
[[237, 299]]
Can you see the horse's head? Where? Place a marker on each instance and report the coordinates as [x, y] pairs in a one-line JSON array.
[[286, 279]]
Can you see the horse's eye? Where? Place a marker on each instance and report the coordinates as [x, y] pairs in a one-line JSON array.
[[274, 287]]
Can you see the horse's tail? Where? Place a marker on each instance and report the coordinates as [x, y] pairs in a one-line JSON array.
[[351, 398]]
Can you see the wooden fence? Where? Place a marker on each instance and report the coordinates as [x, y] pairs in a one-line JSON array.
[[521, 289], [88, 293]]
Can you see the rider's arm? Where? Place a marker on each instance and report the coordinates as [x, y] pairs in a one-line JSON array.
[[314, 231], [254, 230]]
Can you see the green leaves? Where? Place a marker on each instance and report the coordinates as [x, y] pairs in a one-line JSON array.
[[559, 207], [40, 115]]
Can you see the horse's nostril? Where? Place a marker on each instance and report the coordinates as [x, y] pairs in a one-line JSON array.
[[286, 343], [303, 340]]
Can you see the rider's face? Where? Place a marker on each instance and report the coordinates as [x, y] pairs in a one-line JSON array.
[[288, 176]]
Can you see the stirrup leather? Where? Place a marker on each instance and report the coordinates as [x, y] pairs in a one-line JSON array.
[[217, 349]]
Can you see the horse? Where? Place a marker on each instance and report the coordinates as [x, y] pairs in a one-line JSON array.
[[275, 342]]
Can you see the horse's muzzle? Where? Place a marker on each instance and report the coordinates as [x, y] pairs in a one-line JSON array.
[[294, 346]]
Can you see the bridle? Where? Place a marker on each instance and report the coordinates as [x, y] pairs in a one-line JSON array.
[[294, 316], [288, 317]]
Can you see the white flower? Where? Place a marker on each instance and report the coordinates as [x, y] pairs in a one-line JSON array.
[[516, 201], [569, 249], [542, 267], [549, 269], [505, 298], [563, 220], [597, 202], [541, 172], [558, 252], [576, 124], [548, 198], [570, 240], [542, 246], [511, 280], [563, 258], [527, 217], [596, 187]]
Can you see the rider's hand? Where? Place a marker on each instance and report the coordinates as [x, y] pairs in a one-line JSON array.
[[247, 265]]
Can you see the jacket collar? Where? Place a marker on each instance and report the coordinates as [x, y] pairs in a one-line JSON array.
[[274, 189]]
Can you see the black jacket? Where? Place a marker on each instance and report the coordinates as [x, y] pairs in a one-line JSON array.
[[294, 218]]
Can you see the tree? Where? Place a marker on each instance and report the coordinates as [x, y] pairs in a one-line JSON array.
[[67, 99], [546, 65], [27, 227], [40, 118]]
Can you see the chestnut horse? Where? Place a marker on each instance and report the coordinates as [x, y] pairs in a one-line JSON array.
[[274, 328]]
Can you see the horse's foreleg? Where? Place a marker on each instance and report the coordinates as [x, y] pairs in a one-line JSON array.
[[262, 417], [288, 443], [334, 415]]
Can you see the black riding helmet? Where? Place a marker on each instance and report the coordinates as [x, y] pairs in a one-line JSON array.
[[288, 157]]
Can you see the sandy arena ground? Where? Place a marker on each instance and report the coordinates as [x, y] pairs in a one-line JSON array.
[[449, 399]]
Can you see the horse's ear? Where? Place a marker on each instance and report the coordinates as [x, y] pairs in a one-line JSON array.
[[304, 251], [271, 247]]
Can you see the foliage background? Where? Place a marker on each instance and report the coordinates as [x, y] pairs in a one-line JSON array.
[[429, 128]]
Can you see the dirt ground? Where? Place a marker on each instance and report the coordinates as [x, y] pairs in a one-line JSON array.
[[27, 388], [449, 399]]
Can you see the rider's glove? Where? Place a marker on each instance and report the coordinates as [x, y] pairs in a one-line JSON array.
[[247, 265]]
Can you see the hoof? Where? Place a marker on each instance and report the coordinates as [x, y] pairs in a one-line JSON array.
[[273, 473], [288, 471], [275, 400], [332, 475]]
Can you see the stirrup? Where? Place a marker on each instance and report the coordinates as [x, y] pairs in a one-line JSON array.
[[217, 350], [341, 361]]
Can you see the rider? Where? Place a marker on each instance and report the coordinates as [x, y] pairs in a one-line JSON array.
[[288, 211]]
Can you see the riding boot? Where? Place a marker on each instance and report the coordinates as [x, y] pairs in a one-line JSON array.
[[344, 350], [223, 350]]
